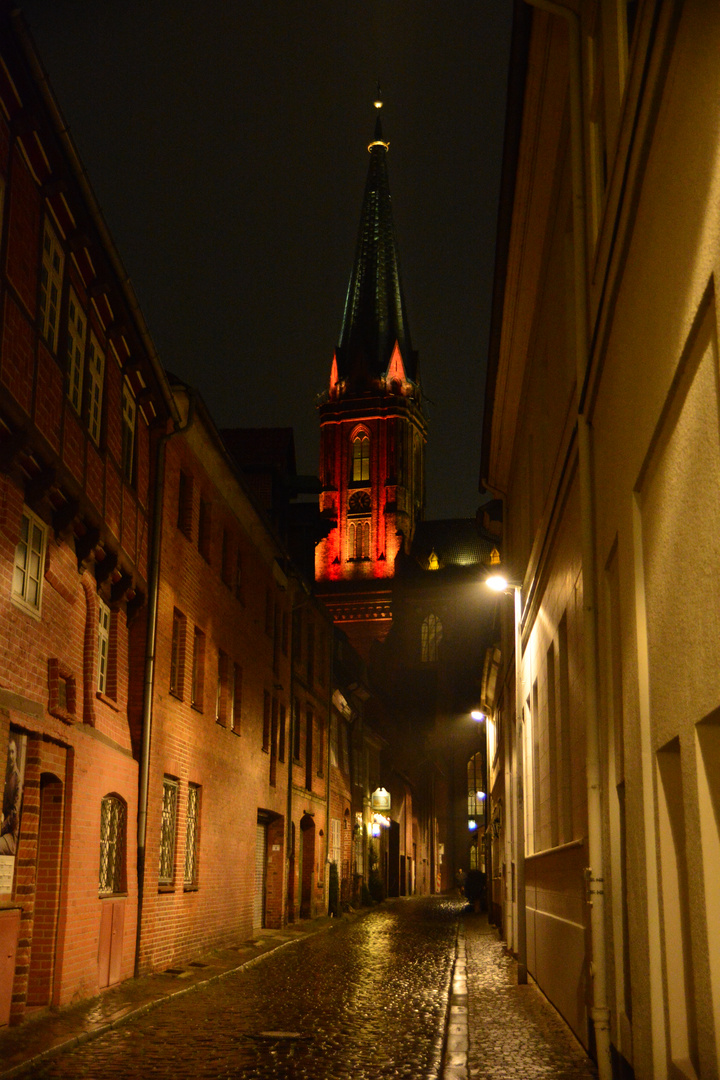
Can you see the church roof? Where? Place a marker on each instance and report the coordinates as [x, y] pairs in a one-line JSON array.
[[452, 542], [375, 318]]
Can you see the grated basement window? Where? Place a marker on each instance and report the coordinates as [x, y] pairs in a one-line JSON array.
[[167, 833], [113, 822]]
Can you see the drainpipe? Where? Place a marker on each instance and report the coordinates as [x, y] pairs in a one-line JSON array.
[[599, 1012], [149, 675]]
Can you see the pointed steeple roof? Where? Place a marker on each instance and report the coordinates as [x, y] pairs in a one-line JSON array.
[[375, 319]]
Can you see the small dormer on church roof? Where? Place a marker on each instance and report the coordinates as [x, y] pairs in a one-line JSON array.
[[375, 348]]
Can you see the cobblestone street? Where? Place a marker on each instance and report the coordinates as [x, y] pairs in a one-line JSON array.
[[414, 989]]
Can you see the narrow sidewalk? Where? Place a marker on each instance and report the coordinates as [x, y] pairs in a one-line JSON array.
[[50, 1031], [498, 1029]]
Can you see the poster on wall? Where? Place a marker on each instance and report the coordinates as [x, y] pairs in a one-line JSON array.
[[11, 807]]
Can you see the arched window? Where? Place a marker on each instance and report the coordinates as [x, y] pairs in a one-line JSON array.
[[430, 639], [361, 457], [359, 540], [113, 829], [476, 794]]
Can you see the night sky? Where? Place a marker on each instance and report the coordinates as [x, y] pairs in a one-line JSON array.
[[226, 143]]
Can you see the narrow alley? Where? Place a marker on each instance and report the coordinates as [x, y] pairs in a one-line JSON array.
[[415, 988]]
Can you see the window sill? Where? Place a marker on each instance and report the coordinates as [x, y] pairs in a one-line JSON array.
[[191, 888], [166, 888], [175, 694], [62, 714], [235, 731], [112, 896], [107, 701], [196, 707]]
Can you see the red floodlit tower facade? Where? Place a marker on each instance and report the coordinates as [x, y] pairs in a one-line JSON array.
[[372, 429]]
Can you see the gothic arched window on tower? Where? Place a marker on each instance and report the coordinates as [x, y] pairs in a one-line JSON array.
[[359, 540], [430, 639], [361, 458]]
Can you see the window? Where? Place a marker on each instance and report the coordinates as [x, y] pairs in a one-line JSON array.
[[129, 411], [239, 578], [198, 670], [333, 740], [320, 747], [296, 731], [103, 645], [310, 658], [236, 698], [274, 743], [430, 639], [221, 695], [185, 504], [29, 562], [361, 458], [113, 829], [266, 721], [50, 286], [359, 540], [204, 527], [308, 748], [177, 654], [96, 372], [281, 741], [166, 871], [192, 837], [76, 351], [225, 560]]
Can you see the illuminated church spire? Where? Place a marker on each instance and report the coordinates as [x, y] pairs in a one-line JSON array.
[[372, 427], [375, 317]]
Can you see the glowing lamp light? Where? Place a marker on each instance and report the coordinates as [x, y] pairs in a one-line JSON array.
[[497, 582], [477, 715], [375, 829], [472, 825], [480, 794]]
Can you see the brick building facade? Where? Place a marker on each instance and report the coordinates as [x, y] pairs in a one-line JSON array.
[[81, 397]]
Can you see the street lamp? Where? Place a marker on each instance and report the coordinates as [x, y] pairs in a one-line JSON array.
[[500, 584]]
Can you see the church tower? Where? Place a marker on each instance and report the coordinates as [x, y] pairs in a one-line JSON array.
[[372, 428]]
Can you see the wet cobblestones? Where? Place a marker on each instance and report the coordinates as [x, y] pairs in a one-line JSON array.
[[368, 1000], [514, 1030], [369, 997]]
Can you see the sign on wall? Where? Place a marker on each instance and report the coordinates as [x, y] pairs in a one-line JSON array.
[[11, 807]]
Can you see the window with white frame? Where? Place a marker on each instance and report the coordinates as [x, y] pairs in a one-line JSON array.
[[129, 413], [192, 836], [103, 645], [77, 327], [359, 540], [168, 821], [113, 829], [96, 374], [51, 273], [335, 852], [29, 562]]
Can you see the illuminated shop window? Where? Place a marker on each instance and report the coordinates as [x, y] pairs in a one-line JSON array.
[[361, 458], [430, 639]]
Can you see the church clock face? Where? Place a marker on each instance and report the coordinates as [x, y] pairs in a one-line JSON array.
[[359, 503]]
